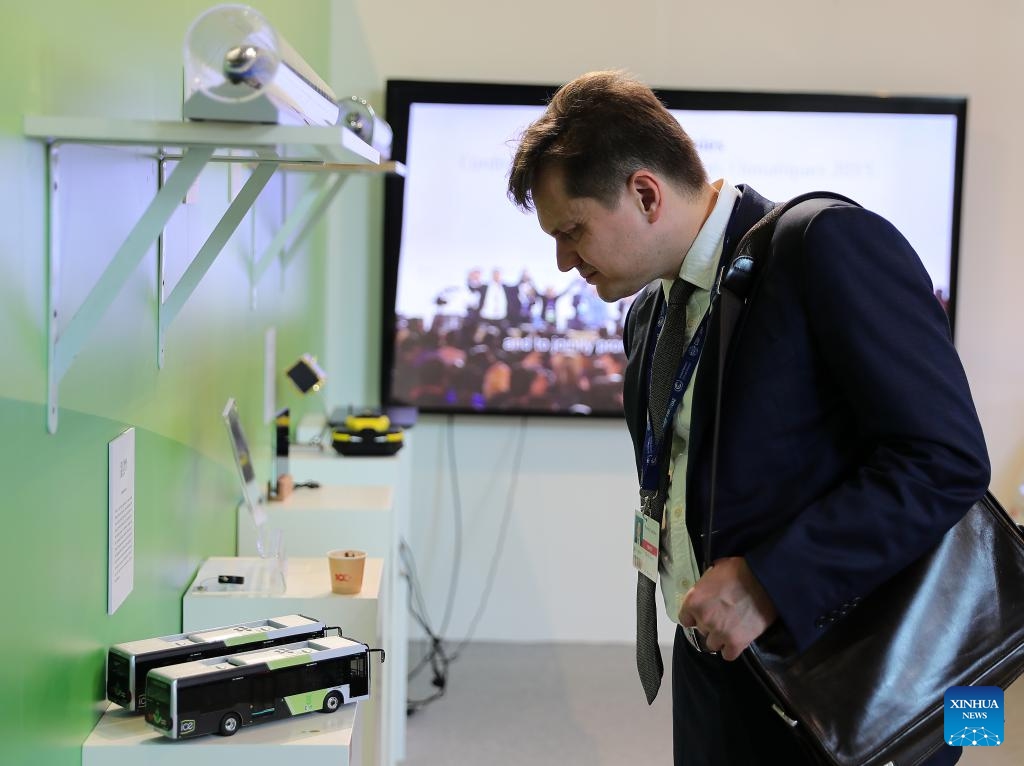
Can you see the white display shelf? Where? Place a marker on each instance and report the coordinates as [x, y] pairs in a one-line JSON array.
[[361, 617], [292, 143], [121, 738]]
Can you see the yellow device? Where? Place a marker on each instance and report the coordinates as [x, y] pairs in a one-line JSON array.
[[367, 433]]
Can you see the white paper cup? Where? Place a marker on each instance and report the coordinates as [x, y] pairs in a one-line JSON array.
[[346, 568]]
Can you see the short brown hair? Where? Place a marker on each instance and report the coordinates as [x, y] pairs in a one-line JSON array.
[[601, 128]]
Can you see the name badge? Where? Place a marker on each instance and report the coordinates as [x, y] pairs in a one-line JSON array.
[[646, 539]]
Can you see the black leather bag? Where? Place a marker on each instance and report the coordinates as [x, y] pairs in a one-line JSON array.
[[871, 691]]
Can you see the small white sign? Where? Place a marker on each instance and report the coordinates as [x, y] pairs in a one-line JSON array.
[[121, 523]]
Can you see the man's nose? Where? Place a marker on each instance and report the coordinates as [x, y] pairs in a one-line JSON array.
[[566, 256]]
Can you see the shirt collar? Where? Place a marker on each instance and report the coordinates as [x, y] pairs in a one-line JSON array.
[[701, 262]]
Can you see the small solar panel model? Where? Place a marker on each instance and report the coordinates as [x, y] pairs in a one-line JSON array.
[[306, 374]]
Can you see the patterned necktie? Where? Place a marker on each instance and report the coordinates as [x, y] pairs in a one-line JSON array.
[[668, 351]]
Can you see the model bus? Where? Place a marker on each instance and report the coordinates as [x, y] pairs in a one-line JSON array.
[[222, 694], [128, 663]]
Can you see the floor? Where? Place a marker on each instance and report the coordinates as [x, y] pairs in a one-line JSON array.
[[570, 705]]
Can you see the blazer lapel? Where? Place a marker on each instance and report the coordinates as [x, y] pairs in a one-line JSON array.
[[635, 394], [749, 209]]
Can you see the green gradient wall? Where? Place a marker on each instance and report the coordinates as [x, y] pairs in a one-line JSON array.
[[119, 60]]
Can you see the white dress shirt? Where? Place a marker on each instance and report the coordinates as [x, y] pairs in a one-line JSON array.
[[678, 564]]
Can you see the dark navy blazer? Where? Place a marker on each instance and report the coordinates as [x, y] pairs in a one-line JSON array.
[[849, 440]]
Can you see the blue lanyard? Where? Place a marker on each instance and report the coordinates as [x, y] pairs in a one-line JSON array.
[[650, 476]]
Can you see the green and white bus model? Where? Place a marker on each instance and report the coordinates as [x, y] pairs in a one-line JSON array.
[[222, 694], [128, 663]]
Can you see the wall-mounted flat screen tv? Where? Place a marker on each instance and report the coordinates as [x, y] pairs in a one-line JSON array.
[[477, 317]]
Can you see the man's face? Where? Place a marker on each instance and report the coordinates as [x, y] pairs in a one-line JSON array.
[[608, 247]]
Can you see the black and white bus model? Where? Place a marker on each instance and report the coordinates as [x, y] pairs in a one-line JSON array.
[[222, 694], [128, 663]]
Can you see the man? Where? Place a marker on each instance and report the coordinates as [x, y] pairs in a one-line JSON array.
[[848, 439], [474, 297], [499, 303]]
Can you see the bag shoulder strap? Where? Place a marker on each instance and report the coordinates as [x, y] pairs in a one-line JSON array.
[[737, 286], [755, 246]]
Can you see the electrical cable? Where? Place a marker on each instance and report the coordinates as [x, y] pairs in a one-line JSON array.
[[436, 656], [419, 609], [500, 544], [457, 510]]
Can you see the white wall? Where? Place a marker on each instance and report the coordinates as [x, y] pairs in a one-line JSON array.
[[564, 574]]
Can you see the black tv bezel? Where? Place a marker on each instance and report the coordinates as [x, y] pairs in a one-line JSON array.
[[400, 94]]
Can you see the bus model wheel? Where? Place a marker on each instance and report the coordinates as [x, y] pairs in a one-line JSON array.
[[229, 724], [332, 702]]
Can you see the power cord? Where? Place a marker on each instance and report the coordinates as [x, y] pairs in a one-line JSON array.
[[437, 656], [485, 595], [457, 509]]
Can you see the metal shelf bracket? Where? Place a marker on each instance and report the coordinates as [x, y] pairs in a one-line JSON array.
[[333, 152], [171, 305], [65, 345]]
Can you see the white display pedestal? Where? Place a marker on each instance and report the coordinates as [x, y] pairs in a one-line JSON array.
[[314, 521], [324, 465], [308, 592], [125, 739]]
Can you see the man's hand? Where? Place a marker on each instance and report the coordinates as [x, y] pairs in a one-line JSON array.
[[729, 606]]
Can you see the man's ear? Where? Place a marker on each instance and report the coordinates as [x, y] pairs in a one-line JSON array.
[[645, 189]]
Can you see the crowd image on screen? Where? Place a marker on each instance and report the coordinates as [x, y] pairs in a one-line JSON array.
[[494, 343]]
